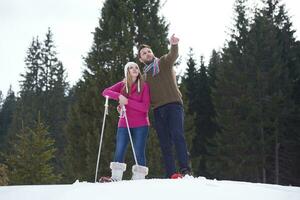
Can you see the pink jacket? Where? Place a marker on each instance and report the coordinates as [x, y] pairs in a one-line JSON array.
[[137, 107]]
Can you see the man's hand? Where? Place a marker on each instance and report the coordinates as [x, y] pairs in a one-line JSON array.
[[123, 100], [174, 40]]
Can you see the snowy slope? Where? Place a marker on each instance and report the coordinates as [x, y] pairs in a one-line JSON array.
[[153, 189]]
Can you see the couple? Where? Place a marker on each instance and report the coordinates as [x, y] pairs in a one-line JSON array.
[[134, 94]]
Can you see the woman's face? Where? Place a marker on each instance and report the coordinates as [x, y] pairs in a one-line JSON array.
[[133, 71]]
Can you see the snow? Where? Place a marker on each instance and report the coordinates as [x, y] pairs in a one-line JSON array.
[[153, 189]]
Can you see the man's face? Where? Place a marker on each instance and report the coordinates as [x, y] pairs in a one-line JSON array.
[[146, 55]]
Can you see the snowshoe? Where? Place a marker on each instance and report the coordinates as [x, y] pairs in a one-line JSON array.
[[106, 179]]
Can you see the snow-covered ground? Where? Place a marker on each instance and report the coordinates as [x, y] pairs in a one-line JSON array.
[[153, 189]]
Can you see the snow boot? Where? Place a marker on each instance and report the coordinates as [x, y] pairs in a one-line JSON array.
[[117, 170], [139, 172]]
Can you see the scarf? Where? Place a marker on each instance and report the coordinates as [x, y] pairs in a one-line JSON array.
[[152, 67]]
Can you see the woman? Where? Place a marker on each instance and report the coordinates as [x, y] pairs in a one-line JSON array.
[[133, 93]]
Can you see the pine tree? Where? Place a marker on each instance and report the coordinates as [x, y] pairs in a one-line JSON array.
[[213, 65], [189, 128], [286, 137], [204, 118], [198, 90], [30, 160], [30, 89], [190, 80], [33, 62], [288, 148], [189, 89], [272, 90], [52, 80], [253, 100], [231, 146], [43, 90], [6, 117], [115, 39], [112, 48], [43, 82]]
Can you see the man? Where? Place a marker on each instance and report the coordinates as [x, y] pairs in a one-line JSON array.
[[167, 102]]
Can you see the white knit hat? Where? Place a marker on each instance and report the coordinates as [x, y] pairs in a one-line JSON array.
[[125, 75]]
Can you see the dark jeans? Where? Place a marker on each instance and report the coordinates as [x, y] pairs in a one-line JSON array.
[[139, 136], [169, 127]]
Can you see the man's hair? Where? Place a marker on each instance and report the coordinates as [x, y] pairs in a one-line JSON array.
[[141, 47]]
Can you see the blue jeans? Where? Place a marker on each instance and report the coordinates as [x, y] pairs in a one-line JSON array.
[[139, 136], [169, 128]]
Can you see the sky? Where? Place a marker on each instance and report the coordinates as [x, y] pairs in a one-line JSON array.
[[153, 189], [202, 25]]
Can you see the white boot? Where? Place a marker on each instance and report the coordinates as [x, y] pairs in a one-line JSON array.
[[117, 170], [139, 172]]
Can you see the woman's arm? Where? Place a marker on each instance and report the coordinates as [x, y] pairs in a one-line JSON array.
[[114, 91]]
